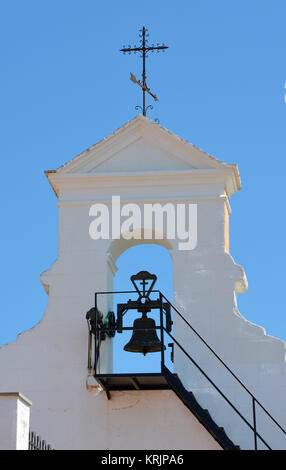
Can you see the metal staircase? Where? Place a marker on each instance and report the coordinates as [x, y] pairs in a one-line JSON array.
[[169, 380]]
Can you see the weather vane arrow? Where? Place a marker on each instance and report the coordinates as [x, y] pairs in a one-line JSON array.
[[144, 49], [134, 80]]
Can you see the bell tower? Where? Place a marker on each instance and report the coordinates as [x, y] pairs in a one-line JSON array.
[[221, 362]]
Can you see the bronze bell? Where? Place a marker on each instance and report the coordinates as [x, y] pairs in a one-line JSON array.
[[145, 339]]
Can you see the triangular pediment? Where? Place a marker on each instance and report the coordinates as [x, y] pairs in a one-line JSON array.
[[139, 146], [137, 154]]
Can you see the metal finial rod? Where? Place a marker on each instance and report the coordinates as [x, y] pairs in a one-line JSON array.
[[144, 49]]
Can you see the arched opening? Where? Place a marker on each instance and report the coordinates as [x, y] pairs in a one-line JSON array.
[[157, 260]]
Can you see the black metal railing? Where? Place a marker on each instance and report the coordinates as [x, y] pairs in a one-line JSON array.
[[163, 330], [254, 401], [36, 443]]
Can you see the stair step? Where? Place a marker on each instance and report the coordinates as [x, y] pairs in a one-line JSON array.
[[202, 414], [223, 430]]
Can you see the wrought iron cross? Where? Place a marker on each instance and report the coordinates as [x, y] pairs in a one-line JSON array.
[[144, 49]]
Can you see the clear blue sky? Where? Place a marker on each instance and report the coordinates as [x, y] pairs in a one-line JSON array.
[[64, 85]]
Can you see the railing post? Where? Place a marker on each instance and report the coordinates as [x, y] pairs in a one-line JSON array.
[[96, 335], [162, 331], [254, 423]]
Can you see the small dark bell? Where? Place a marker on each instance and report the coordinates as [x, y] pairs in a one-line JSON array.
[[144, 340]]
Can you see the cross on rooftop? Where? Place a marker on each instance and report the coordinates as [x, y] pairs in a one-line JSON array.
[[144, 49]]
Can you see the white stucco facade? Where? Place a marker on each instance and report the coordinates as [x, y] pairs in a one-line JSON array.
[[143, 162]]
